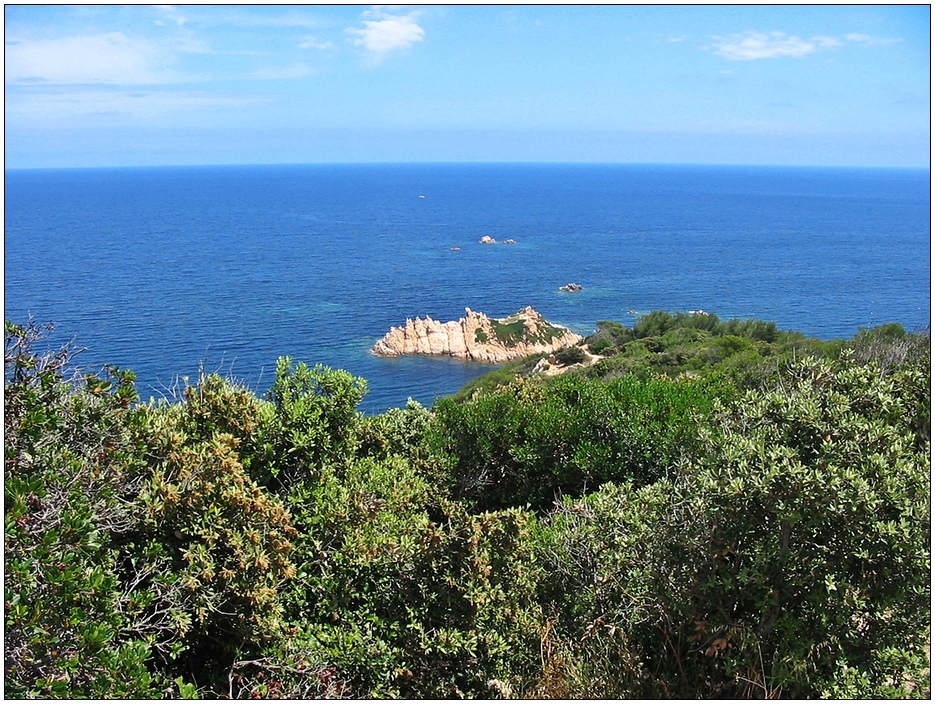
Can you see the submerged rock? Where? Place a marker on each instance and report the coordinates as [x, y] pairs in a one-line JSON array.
[[477, 337]]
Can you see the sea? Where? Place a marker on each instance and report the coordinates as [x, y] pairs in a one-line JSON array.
[[171, 271]]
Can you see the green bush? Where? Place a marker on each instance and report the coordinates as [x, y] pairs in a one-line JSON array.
[[405, 592], [567, 356], [654, 324], [314, 423], [84, 617], [609, 338], [568, 537], [398, 431], [529, 442], [789, 556], [228, 541]]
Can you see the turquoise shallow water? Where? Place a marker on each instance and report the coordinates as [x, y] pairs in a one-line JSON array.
[[163, 270]]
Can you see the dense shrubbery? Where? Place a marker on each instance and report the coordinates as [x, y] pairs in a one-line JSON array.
[[700, 343], [530, 442], [86, 606], [756, 527], [790, 555]]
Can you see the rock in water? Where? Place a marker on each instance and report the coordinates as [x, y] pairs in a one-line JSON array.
[[477, 337]]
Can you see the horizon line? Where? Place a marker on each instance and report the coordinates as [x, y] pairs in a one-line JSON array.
[[865, 167]]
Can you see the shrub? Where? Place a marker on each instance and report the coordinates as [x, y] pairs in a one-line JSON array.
[[228, 541], [398, 431], [530, 441], [314, 423], [609, 338], [889, 346], [567, 356], [407, 594], [83, 614], [654, 324], [215, 405], [789, 556]]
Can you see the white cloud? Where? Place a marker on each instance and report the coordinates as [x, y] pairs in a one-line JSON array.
[[386, 33], [757, 45], [868, 40], [171, 14], [111, 58], [314, 43], [826, 42], [750, 46]]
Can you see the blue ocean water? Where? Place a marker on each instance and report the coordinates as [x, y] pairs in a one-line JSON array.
[[164, 270]]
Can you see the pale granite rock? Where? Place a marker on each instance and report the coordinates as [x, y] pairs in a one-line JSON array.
[[477, 337]]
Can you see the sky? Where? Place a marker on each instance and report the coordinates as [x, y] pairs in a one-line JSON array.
[[824, 85]]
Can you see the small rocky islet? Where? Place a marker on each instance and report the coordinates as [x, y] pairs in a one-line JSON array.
[[477, 337]]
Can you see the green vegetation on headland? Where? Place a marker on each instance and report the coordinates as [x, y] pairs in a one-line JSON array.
[[514, 329], [714, 509], [688, 344]]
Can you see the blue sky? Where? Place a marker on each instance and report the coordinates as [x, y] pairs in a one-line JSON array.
[[840, 85]]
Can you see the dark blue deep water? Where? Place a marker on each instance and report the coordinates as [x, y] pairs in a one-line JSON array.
[[164, 269]]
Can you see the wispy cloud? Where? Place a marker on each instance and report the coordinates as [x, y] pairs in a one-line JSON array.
[[750, 46], [315, 43], [383, 32], [169, 15], [869, 40], [110, 58], [757, 45]]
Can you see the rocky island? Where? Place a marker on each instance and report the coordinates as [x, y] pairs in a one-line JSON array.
[[477, 337]]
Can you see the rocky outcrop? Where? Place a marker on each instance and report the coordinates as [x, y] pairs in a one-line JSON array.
[[477, 337], [571, 288], [487, 239]]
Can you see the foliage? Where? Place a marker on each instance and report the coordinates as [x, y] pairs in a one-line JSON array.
[[398, 431], [790, 556], [610, 336], [409, 595], [745, 351], [500, 376], [708, 512], [314, 423], [529, 442], [889, 346], [567, 356], [228, 541], [291, 673], [82, 617], [514, 329]]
